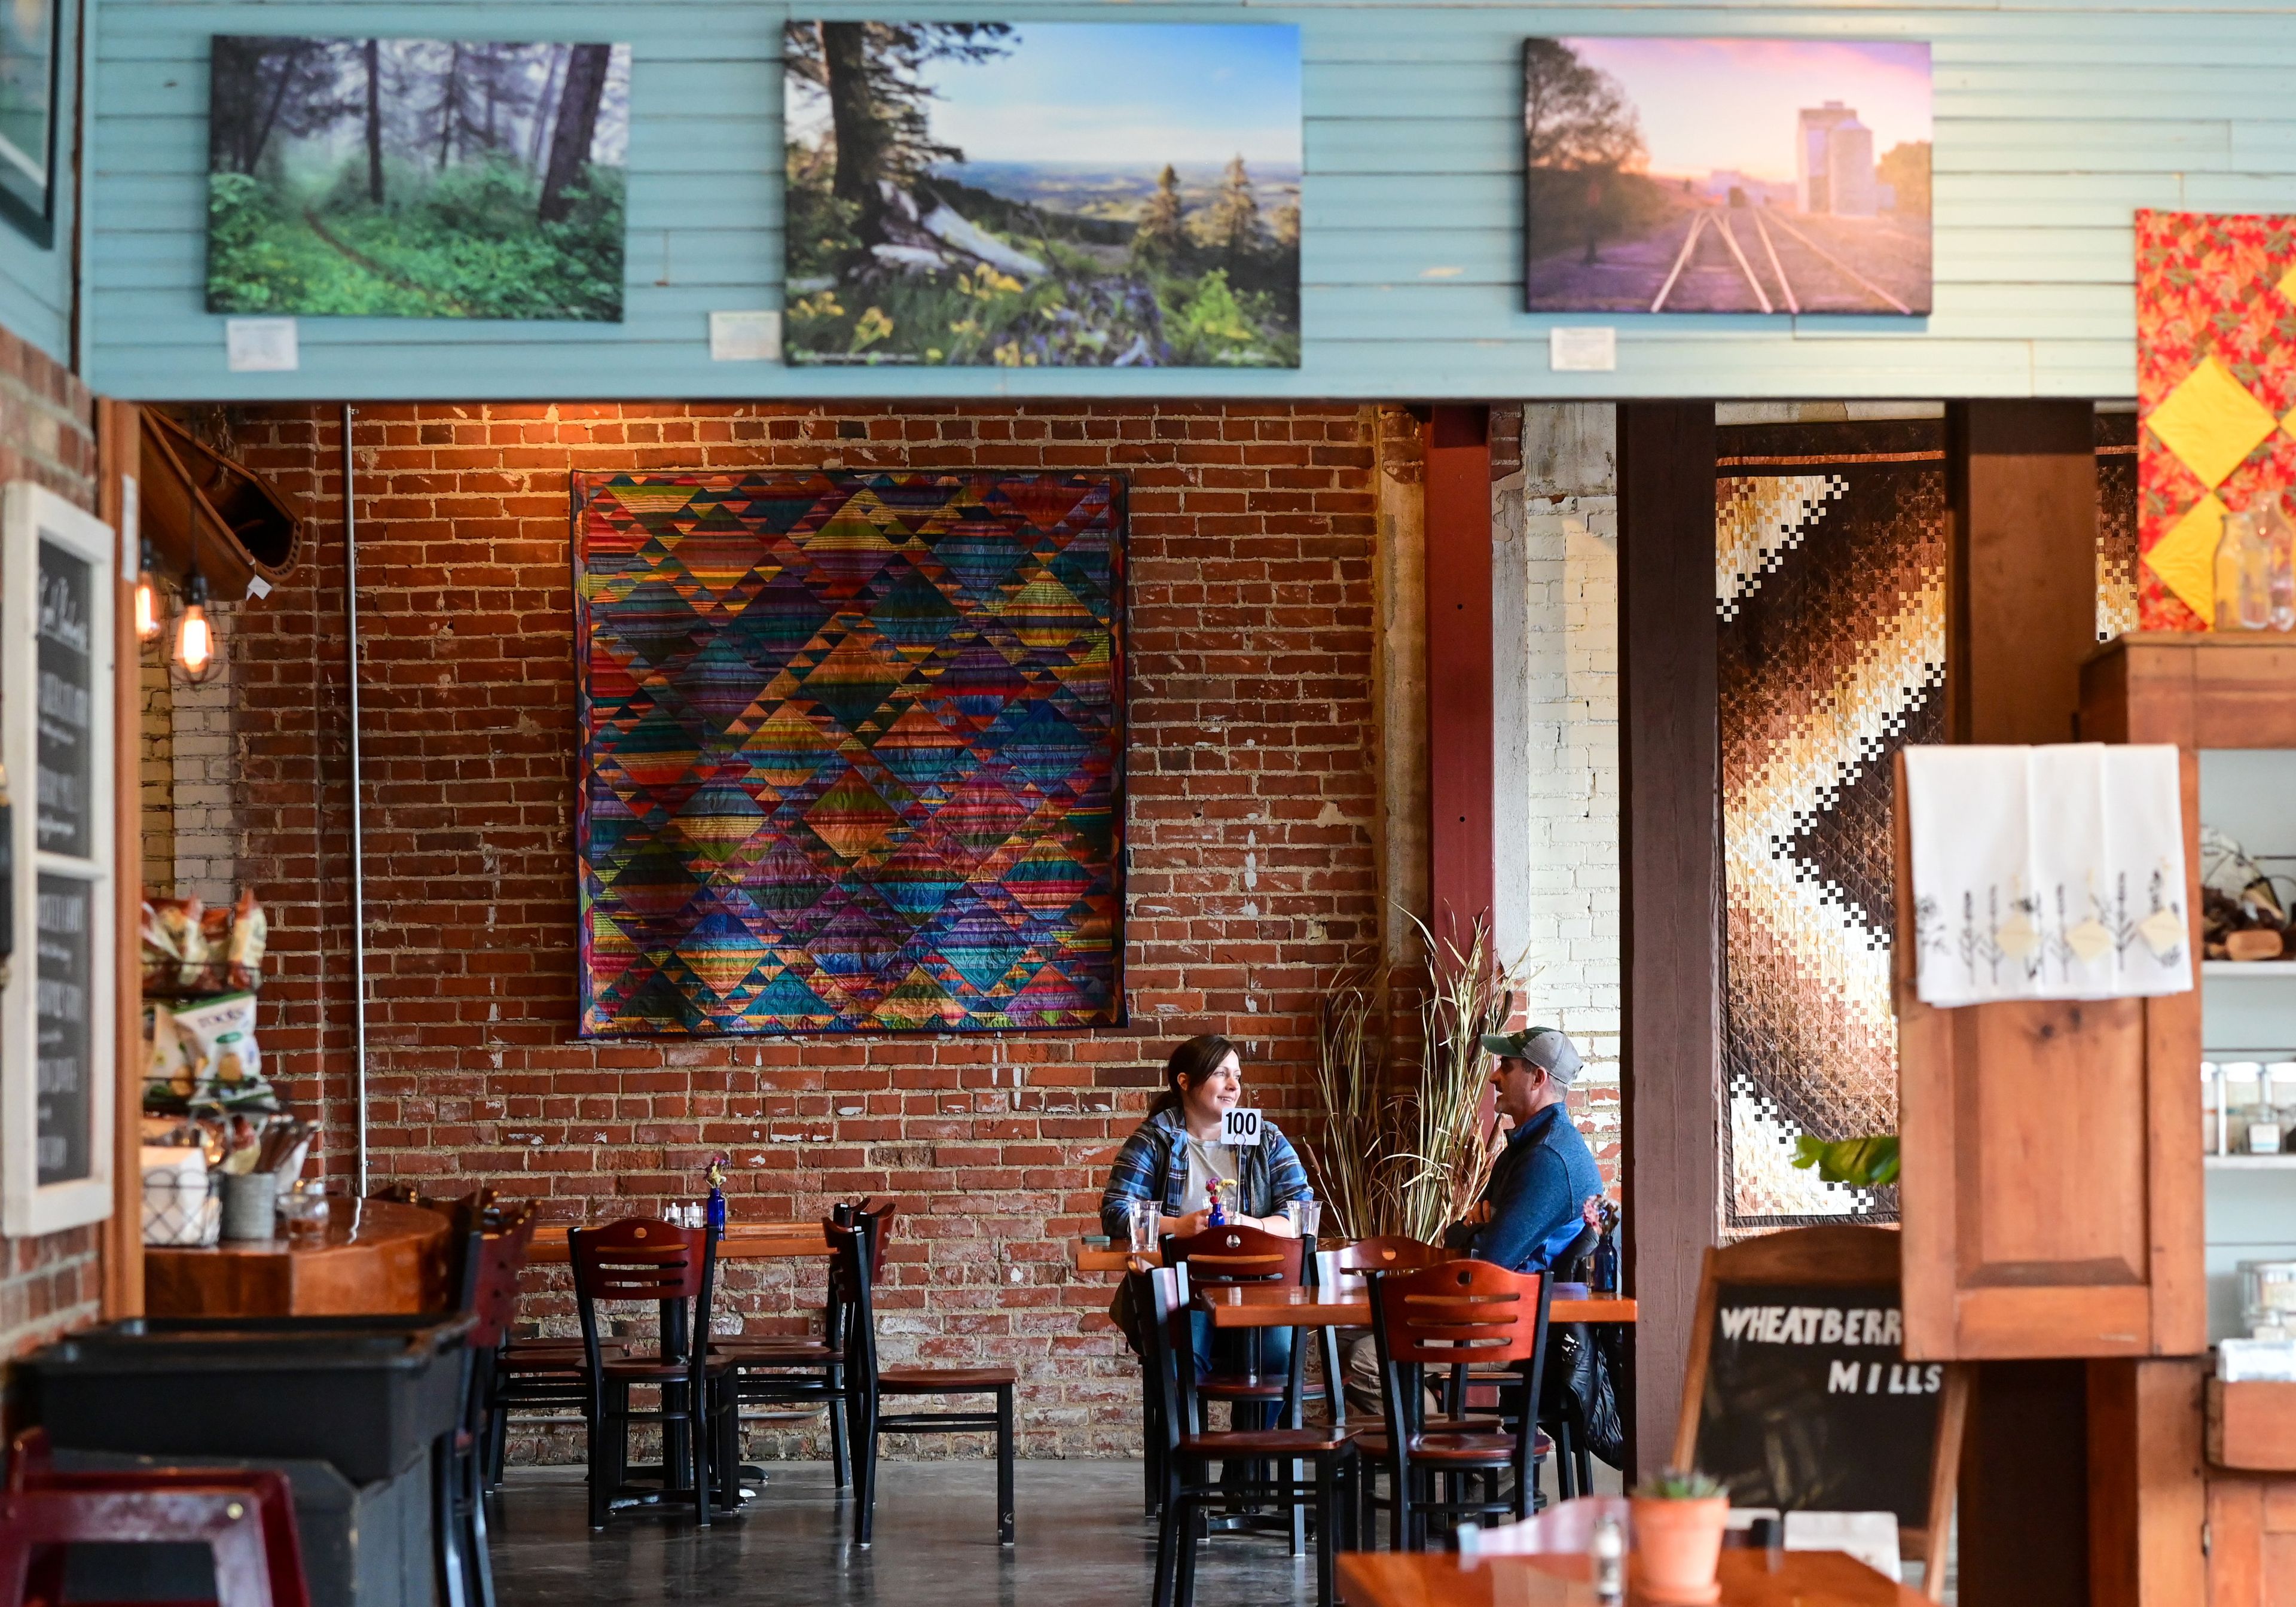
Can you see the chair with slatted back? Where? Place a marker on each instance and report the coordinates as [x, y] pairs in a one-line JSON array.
[[1221, 1256], [852, 1274], [674, 1268], [783, 1375], [1460, 1313], [1167, 1341], [1342, 1272], [496, 1263]]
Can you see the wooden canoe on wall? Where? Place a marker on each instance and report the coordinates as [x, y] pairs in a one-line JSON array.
[[245, 528]]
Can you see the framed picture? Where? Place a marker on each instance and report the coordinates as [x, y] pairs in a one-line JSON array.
[[416, 178], [27, 117], [1726, 175], [1042, 195], [56, 1019]]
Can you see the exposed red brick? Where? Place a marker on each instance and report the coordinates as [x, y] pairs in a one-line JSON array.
[[1250, 802]]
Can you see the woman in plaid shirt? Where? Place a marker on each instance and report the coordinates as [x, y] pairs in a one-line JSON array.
[[1175, 1156]]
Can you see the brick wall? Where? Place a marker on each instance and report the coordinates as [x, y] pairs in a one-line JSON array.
[[1250, 817], [47, 435]]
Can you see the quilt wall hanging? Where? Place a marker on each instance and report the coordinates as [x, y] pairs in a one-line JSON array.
[[1830, 559], [851, 752], [2215, 394]]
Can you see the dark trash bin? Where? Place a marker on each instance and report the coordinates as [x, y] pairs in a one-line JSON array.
[[349, 1407]]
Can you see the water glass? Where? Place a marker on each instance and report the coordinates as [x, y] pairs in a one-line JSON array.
[[1142, 1220], [1306, 1215]]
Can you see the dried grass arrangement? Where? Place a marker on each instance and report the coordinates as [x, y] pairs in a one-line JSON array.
[[1390, 1156]]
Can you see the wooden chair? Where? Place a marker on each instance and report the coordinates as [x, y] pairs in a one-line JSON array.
[[1460, 1313], [1342, 1271], [496, 1263], [787, 1374], [1245, 1255], [851, 1277], [1160, 1295], [244, 1517], [639, 1258]]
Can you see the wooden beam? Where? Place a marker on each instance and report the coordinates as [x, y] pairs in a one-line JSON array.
[[118, 435], [1669, 749], [1458, 538], [1399, 694], [2020, 615], [2021, 479]]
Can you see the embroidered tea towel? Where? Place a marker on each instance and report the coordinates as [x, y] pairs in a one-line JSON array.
[[2048, 872]]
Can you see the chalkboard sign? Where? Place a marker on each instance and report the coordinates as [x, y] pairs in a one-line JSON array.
[[67, 703], [58, 661], [1800, 1396], [61, 1020]]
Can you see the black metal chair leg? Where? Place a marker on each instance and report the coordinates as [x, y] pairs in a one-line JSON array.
[[1004, 1453], [447, 1552], [1189, 1516], [836, 1377]]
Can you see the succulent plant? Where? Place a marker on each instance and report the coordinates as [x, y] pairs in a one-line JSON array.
[[1677, 1484]]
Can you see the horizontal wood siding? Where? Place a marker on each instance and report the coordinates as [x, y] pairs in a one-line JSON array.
[[35, 303], [2055, 120]]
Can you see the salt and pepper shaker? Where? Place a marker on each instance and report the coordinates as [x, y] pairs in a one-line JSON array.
[[1607, 1549]]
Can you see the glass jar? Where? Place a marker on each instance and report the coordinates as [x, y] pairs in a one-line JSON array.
[[2243, 575], [2243, 1094], [2280, 562], [2268, 1294], [304, 1210], [2280, 1094], [2212, 1108]]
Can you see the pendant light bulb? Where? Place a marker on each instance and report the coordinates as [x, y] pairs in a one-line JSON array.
[[196, 641], [149, 618]]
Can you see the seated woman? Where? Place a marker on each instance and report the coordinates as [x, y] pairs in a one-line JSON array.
[[1176, 1155]]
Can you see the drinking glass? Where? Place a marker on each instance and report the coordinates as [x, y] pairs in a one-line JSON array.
[[1142, 1219], [1306, 1215]]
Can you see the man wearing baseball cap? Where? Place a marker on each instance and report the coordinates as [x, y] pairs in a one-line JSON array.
[[1542, 1181]]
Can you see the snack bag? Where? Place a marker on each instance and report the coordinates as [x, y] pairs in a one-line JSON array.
[[168, 1075], [227, 1063]]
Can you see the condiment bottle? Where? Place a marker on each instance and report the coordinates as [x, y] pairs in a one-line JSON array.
[[1606, 1551], [2280, 1098], [2244, 1092], [2212, 1108]]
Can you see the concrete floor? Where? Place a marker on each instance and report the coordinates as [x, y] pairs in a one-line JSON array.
[[1080, 1538]]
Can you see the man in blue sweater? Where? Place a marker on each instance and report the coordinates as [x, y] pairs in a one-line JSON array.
[[1539, 1187], [1535, 1204]]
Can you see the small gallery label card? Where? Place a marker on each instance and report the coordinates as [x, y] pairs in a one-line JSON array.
[[1585, 349], [261, 345]]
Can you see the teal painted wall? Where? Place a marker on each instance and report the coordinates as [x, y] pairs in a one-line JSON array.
[[35, 281], [2054, 122]]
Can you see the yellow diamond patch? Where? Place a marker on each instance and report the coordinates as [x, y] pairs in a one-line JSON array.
[[2162, 931], [2287, 285], [2211, 422], [2185, 557], [2089, 940]]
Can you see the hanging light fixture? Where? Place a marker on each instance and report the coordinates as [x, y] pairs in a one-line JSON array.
[[195, 639], [149, 611]]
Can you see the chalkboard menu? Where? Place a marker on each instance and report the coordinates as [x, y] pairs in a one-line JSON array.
[[1810, 1405], [63, 751], [61, 1022]]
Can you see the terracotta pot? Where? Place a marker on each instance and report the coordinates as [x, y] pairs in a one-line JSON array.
[[1676, 1546]]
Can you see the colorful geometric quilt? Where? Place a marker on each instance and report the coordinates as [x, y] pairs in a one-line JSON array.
[[851, 752], [2215, 389]]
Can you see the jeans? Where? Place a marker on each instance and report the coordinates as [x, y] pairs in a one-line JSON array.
[[1231, 1353]]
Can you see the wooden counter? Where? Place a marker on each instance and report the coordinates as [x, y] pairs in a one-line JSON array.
[[379, 1256]]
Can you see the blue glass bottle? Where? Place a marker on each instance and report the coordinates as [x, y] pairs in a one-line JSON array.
[[717, 1196], [1606, 1261]]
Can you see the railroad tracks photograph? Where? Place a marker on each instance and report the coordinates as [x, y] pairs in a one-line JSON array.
[[1726, 175]]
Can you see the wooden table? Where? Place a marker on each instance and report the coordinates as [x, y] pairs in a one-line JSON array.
[[1278, 1306], [379, 1256], [741, 1242], [1749, 1579]]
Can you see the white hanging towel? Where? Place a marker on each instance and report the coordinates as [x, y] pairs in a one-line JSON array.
[[2050, 872]]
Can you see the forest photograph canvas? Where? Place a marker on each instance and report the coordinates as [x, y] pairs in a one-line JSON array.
[[1726, 175], [416, 178], [1042, 195]]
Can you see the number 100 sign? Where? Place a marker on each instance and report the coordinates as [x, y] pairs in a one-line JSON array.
[[1240, 1126]]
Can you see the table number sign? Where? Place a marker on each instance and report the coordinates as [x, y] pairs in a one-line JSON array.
[[57, 580], [1240, 1128]]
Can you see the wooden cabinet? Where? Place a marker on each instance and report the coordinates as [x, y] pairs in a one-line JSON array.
[[2251, 1541], [2051, 1181]]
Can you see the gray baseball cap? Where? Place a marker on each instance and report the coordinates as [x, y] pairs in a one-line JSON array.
[[1545, 1047]]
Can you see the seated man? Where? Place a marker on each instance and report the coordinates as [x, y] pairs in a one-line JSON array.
[[1536, 1201], [1536, 1198]]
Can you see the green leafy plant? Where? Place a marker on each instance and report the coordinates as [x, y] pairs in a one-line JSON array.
[[1679, 1484], [1867, 1162]]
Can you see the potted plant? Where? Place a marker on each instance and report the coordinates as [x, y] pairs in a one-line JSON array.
[[1678, 1519]]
